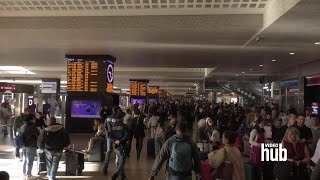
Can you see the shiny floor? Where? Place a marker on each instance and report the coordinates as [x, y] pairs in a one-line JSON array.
[[134, 169]]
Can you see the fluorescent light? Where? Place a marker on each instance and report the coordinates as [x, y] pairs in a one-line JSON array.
[[260, 65], [273, 60], [21, 81], [317, 43], [63, 86], [12, 68], [125, 89], [292, 53], [63, 82]]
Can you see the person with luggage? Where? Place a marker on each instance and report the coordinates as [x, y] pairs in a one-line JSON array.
[[159, 138], [295, 168], [118, 136], [182, 154], [99, 135], [228, 153], [138, 131], [30, 135], [52, 140], [257, 137]]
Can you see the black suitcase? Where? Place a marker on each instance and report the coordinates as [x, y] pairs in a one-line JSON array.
[[151, 148], [250, 171], [74, 162], [41, 162]]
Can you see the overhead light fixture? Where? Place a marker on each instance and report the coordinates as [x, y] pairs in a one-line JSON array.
[[237, 75], [292, 53], [273, 60], [261, 65], [317, 43], [15, 70], [243, 72], [251, 69], [21, 81]]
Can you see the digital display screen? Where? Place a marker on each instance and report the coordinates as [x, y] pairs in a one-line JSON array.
[[153, 90], [109, 76], [134, 101], [90, 74], [138, 88], [82, 76], [85, 109], [315, 107]]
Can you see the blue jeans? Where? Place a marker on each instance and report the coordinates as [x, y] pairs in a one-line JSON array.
[[52, 160], [120, 157], [28, 157]]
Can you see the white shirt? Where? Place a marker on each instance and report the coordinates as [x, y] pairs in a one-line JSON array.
[[268, 131], [316, 155], [308, 121]]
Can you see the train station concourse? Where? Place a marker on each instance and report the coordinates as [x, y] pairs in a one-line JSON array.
[[127, 89]]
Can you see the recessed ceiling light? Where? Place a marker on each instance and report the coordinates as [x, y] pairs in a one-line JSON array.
[[243, 72], [260, 65], [273, 60], [317, 43], [251, 69], [291, 53], [237, 75]]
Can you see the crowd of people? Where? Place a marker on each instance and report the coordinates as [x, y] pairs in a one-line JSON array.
[[36, 135], [221, 132]]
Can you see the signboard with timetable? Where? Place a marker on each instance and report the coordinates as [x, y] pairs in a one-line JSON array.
[[153, 90], [138, 88], [90, 73]]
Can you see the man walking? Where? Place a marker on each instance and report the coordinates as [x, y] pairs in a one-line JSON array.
[[183, 155], [117, 136], [53, 139], [29, 135]]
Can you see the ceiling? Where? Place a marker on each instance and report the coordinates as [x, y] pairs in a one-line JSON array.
[[174, 43]]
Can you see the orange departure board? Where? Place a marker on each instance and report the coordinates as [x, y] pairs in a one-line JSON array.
[[153, 90], [138, 88], [82, 76]]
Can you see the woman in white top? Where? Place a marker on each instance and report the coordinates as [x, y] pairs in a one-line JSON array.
[[100, 134], [257, 137], [153, 123], [159, 137]]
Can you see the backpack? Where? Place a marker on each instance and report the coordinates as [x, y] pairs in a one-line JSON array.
[[181, 157]]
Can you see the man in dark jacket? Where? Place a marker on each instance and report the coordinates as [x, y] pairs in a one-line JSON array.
[[30, 135], [173, 150], [118, 136], [53, 139]]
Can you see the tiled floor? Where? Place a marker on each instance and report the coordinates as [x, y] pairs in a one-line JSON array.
[[134, 169]]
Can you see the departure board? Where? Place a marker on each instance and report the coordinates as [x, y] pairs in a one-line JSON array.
[[153, 90], [138, 88]]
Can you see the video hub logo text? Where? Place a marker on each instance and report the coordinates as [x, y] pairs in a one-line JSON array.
[[273, 152]]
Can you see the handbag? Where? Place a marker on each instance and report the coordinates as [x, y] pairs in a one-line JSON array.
[[225, 170]]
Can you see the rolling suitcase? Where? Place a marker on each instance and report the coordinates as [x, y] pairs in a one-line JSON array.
[[205, 171], [151, 148], [41, 162], [74, 162], [250, 171]]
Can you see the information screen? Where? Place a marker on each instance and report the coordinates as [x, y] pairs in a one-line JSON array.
[[138, 88], [153, 90], [89, 75], [82, 76]]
